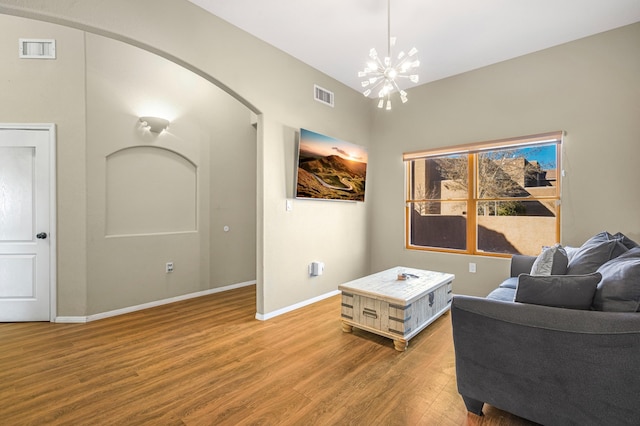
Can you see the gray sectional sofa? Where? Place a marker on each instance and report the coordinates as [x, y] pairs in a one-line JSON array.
[[561, 348]]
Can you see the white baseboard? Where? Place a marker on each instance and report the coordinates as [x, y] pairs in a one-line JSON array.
[[264, 317], [94, 317]]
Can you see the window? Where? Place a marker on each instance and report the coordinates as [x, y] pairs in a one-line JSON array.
[[494, 198]]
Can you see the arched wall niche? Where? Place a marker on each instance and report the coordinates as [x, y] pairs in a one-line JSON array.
[[150, 190]]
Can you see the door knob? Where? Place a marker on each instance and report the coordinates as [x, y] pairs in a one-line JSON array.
[[41, 236]]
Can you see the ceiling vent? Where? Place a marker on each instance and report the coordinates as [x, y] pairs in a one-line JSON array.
[[35, 48], [322, 95]]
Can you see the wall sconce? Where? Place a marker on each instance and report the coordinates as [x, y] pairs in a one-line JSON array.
[[154, 124]]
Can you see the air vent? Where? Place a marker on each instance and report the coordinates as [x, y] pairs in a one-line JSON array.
[[322, 95], [34, 48]]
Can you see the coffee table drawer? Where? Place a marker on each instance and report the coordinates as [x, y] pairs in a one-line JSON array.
[[369, 312]]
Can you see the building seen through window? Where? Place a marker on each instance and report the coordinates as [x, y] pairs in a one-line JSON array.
[[501, 197]]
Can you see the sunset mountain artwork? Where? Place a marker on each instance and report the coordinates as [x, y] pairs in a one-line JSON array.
[[329, 168]]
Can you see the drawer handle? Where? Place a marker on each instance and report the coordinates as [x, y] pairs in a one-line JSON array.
[[370, 313]]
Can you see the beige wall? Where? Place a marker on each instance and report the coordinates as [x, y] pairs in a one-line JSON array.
[[153, 199], [281, 92], [232, 196], [590, 88], [52, 91]]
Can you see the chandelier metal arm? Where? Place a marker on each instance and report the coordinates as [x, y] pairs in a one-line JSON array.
[[389, 28], [378, 84]]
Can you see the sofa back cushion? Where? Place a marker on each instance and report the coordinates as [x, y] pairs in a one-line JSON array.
[[619, 289], [626, 241], [594, 253], [560, 291]]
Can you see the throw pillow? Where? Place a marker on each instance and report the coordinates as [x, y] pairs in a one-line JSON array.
[[626, 241], [601, 237], [618, 236], [552, 261], [619, 289], [571, 252], [594, 253], [560, 291]]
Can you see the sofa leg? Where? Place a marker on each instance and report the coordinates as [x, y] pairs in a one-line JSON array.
[[473, 405]]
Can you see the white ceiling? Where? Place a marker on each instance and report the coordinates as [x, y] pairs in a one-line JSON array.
[[452, 36]]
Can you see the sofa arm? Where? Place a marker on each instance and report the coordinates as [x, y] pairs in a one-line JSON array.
[[521, 264], [549, 365]]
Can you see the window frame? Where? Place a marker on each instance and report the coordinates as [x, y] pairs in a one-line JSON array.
[[472, 200]]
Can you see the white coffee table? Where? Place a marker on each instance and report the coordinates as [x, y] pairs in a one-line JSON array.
[[398, 309]]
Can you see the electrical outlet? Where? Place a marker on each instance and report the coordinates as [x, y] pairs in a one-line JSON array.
[[169, 267], [472, 268]]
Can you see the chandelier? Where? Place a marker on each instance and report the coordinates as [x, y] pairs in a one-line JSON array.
[[383, 74]]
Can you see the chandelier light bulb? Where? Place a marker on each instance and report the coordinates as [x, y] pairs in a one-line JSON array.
[[413, 51], [365, 83], [373, 54], [381, 103], [367, 92], [388, 104]]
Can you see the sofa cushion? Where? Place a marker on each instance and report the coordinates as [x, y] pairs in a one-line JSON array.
[[594, 253], [626, 241], [571, 252], [511, 282], [501, 293], [601, 236], [552, 261], [560, 291], [619, 289]]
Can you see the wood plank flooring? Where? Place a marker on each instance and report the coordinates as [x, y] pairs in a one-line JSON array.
[[208, 361]]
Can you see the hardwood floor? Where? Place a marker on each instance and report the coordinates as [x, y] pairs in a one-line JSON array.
[[207, 361]]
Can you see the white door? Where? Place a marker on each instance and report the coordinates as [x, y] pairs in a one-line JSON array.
[[25, 225]]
